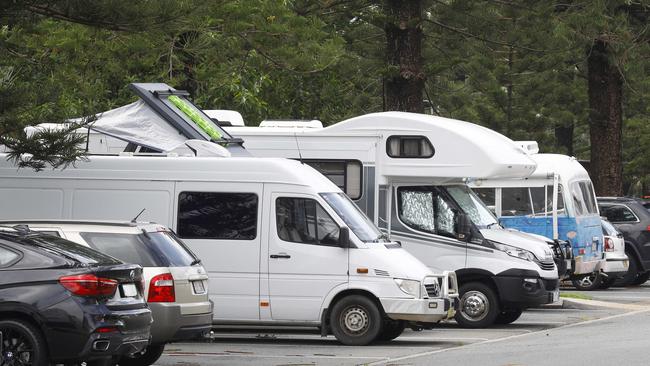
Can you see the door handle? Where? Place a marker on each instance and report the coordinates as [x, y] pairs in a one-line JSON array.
[[280, 255]]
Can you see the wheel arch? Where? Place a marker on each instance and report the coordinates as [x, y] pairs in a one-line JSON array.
[[335, 296]]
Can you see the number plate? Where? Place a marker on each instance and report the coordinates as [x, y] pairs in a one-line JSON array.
[[129, 290], [198, 287], [556, 295]]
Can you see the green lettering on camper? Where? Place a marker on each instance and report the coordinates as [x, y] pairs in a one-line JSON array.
[[195, 117]]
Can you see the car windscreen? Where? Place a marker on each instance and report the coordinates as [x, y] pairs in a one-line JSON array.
[[155, 249], [359, 223], [69, 249], [471, 205]]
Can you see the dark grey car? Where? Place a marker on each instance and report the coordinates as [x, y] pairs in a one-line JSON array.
[[631, 217]]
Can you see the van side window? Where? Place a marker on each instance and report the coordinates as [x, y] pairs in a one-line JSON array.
[[303, 220], [516, 201], [421, 208], [7, 257], [409, 147], [217, 215], [346, 174]]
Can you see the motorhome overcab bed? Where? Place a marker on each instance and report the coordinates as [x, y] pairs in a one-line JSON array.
[[282, 244], [408, 172], [556, 201]]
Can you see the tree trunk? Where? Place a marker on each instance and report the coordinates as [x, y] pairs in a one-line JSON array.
[[564, 138], [404, 82], [605, 120]]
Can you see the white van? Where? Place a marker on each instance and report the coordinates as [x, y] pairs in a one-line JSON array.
[[282, 244], [415, 168]]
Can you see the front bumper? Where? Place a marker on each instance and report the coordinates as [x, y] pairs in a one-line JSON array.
[[171, 325], [420, 310], [525, 288]]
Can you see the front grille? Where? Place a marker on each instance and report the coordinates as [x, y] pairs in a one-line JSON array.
[[550, 285], [381, 272], [433, 289], [547, 266]]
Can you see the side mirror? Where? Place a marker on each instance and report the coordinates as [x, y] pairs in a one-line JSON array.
[[344, 237], [463, 227]]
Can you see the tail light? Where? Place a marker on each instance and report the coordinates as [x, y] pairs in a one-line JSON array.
[[89, 285], [609, 245], [161, 288], [647, 228]]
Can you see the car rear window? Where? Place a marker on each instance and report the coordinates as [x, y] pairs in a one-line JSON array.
[[69, 249], [156, 249]]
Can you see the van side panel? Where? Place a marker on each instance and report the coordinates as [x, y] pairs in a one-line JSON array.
[[123, 204], [233, 265], [14, 196]]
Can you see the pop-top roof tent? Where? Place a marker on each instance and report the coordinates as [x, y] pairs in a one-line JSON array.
[[460, 149], [162, 120]]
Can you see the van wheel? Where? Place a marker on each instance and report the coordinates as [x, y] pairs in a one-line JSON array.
[[587, 283], [355, 320], [21, 344], [147, 357], [391, 330], [508, 316], [478, 306]]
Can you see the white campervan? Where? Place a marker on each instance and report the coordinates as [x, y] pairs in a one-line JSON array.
[[408, 172], [282, 244]]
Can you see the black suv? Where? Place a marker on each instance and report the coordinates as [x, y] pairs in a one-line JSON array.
[[631, 216], [61, 302]]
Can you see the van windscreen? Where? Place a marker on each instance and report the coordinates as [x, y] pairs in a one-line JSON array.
[[155, 249]]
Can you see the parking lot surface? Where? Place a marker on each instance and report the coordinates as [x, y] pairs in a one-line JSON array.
[[299, 347]]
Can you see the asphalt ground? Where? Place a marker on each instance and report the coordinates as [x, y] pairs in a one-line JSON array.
[[579, 309]]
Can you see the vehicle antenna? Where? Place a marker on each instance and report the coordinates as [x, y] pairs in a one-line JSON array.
[[295, 136], [138, 215]]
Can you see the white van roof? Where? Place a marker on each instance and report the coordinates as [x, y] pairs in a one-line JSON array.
[[566, 166], [462, 149], [159, 168]]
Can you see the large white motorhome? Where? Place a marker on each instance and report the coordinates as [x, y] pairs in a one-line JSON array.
[[281, 243], [408, 172]]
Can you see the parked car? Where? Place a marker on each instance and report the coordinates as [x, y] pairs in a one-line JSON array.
[[61, 302], [632, 219], [175, 283], [616, 261]]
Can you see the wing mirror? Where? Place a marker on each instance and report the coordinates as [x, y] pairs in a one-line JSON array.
[[463, 227], [344, 237]]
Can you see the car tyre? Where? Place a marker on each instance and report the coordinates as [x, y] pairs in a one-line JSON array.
[[641, 278], [18, 335], [479, 306], [508, 316], [589, 282], [391, 330], [606, 283], [147, 357], [355, 320], [632, 271]]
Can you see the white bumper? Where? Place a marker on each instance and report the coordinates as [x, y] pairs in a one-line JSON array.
[[420, 310], [615, 263]]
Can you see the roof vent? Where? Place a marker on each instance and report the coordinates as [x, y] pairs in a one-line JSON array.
[[530, 147]]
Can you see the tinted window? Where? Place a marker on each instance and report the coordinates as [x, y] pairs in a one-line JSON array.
[[345, 174], [210, 215], [516, 202], [66, 248], [487, 195], [409, 147], [157, 249], [618, 213], [7, 256], [302, 220], [422, 208]]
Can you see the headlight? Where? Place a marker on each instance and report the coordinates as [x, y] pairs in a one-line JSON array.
[[410, 287], [516, 252]]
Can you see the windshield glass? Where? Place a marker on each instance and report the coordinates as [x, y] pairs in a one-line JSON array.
[[472, 206], [358, 223]]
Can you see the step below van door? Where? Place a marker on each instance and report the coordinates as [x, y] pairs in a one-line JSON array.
[[305, 261]]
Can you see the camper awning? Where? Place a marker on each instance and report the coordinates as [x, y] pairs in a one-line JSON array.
[[139, 124]]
